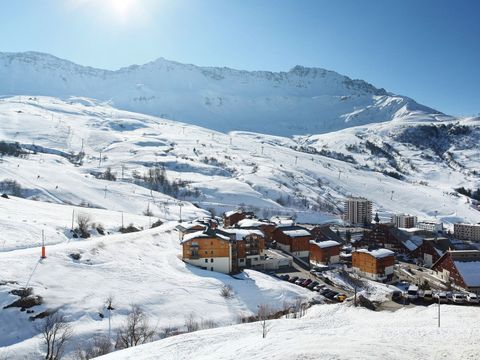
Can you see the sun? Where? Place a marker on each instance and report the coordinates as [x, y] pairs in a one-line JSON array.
[[122, 9]]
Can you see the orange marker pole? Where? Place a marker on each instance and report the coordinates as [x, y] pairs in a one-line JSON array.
[[44, 255]]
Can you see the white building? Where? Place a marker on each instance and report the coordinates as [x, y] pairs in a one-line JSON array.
[[404, 221], [358, 210], [430, 226], [467, 231]]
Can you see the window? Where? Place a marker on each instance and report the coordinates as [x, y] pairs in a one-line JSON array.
[[206, 251], [211, 260], [211, 269], [211, 243], [211, 252], [242, 260], [206, 260]]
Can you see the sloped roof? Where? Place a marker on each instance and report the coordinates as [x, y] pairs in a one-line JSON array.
[[469, 271], [378, 253], [325, 244], [241, 233]]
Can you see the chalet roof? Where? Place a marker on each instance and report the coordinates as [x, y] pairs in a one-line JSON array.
[[293, 231], [378, 253], [325, 244], [232, 212], [327, 232], [469, 271], [240, 234], [251, 223], [190, 225], [207, 233]]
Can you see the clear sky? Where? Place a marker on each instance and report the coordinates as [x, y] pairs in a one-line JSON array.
[[426, 49]]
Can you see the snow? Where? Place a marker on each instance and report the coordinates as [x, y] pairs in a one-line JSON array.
[[142, 268], [241, 233], [250, 223], [325, 244], [196, 234], [378, 253], [330, 332], [296, 233], [281, 103], [470, 272]]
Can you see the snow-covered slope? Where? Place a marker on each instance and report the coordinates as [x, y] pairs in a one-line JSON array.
[[142, 268], [309, 176], [302, 100], [332, 332]]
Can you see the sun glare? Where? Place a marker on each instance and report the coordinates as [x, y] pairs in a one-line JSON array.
[[122, 8]]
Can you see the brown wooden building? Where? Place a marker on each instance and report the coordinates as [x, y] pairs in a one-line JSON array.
[[324, 252], [430, 251], [293, 239], [460, 268], [222, 250], [374, 264], [387, 236], [231, 218]]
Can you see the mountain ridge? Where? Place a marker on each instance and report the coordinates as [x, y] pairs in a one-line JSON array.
[[304, 100]]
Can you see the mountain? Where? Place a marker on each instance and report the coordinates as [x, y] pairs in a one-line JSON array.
[[421, 162], [300, 101]]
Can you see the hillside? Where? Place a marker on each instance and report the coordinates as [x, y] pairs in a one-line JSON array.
[[141, 268], [330, 332], [300, 101], [209, 170]]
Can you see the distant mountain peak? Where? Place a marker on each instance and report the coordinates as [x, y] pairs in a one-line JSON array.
[[300, 101]]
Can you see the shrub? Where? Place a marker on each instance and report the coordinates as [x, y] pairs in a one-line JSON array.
[[226, 291], [136, 329]]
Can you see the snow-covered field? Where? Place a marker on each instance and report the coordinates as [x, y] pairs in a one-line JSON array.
[[142, 268], [331, 332], [220, 171]]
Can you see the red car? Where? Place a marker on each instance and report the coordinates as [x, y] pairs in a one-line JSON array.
[[306, 282]]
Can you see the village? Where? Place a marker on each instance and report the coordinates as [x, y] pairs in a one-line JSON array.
[[415, 262]]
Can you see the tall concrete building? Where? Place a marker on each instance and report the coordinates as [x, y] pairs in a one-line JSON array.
[[467, 231], [404, 221], [358, 210]]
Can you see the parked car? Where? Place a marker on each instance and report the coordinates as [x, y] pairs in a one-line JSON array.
[[397, 296], [459, 298], [306, 283], [293, 279], [319, 287], [427, 295], [412, 292], [441, 297], [473, 298], [312, 285], [340, 297], [285, 277], [299, 281]]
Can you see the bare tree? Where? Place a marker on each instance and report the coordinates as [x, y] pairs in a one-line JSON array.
[[136, 330], [98, 346], [83, 221], [263, 314], [226, 291], [56, 333], [191, 324]]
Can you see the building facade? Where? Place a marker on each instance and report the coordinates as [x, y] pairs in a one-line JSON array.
[[375, 264], [430, 226], [461, 269], [293, 239], [404, 221], [469, 232], [324, 252], [358, 210]]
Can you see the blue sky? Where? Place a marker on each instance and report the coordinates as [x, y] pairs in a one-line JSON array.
[[428, 50]]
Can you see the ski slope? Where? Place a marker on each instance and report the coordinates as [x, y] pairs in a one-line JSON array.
[[141, 268], [333, 332], [268, 174]]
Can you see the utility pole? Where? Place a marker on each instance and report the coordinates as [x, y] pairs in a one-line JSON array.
[[180, 205], [391, 197], [230, 140], [262, 150], [100, 160], [339, 173], [123, 170], [105, 192], [122, 219], [73, 216], [81, 150], [439, 311], [44, 256]]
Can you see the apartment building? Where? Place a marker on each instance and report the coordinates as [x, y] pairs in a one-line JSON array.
[[358, 210], [469, 232], [404, 221]]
